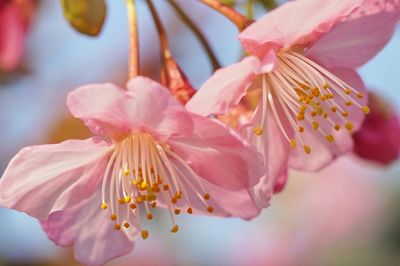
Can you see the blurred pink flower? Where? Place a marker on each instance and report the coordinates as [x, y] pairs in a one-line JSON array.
[[341, 206], [148, 151], [378, 139], [14, 19], [304, 56]]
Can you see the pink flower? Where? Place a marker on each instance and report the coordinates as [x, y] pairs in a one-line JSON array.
[[14, 19], [378, 139], [303, 61], [149, 152]]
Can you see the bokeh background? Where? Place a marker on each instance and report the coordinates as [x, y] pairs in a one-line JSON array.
[[347, 214]]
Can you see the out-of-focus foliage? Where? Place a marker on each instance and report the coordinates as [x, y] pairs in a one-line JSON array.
[[86, 16], [228, 2], [268, 4]]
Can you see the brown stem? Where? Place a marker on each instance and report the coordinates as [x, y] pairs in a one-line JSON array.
[[197, 32], [134, 60], [166, 52], [238, 19]]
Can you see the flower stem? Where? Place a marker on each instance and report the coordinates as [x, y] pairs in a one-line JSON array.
[[134, 60], [197, 32], [165, 51], [238, 19], [250, 9]]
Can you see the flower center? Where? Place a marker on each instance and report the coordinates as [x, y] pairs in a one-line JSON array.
[[143, 173], [302, 95]]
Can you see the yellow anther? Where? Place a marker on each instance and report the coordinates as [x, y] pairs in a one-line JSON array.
[[149, 216], [313, 114], [151, 197], [301, 129], [189, 210], [132, 206], [126, 225], [347, 91], [323, 98], [293, 143], [303, 108], [334, 109], [336, 127], [206, 196], [177, 211], [315, 92], [139, 199], [315, 125], [300, 117], [128, 199], [156, 188], [154, 204], [330, 96], [117, 227], [135, 182], [145, 234], [113, 217], [166, 187], [178, 195], [104, 205], [258, 131], [349, 126], [159, 180], [348, 103], [345, 114], [325, 116], [360, 95], [365, 109], [210, 209], [174, 200], [330, 138], [126, 172], [175, 229], [121, 201], [307, 149], [325, 86], [143, 185]]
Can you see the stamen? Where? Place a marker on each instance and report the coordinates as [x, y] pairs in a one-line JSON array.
[[137, 168], [306, 93]]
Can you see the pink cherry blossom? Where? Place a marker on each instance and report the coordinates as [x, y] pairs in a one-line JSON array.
[[148, 152], [302, 64], [378, 139], [14, 20]]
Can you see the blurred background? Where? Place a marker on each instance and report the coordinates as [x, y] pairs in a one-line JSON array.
[[347, 214]]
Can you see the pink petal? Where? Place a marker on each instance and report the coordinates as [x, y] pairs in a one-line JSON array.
[[295, 23], [114, 112], [269, 62], [356, 40], [323, 152], [275, 150], [43, 179], [12, 36], [155, 109], [92, 234], [218, 156], [225, 203], [378, 139], [280, 183], [225, 88]]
